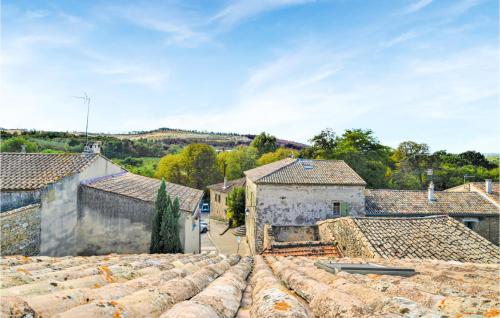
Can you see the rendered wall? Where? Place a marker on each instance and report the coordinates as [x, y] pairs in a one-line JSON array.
[[59, 209], [10, 200], [111, 223], [20, 231], [218, 209]]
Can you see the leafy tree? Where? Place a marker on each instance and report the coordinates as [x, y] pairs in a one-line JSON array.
[[15, 144], [474, 158], [170, 228], [264, 143], [236, 161], [280, 153], [323, 144], [195, 166], [236, 206], [161, 205], [413, 158]]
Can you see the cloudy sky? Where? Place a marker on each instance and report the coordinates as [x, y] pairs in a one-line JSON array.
[[422, 70]]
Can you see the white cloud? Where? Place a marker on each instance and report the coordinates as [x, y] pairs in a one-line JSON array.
[[417, 6], [406, 36]]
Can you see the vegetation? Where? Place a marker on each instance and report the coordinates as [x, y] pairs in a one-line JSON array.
[[278, 154], [264, 143], [236, 206], [233, 163], [165, 227]]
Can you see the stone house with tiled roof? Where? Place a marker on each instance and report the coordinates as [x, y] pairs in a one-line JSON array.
[[488, 189], [51, 181], [432, 237], [115, 214], [43, 207], [470, 208], [296, 192], [218, 197]]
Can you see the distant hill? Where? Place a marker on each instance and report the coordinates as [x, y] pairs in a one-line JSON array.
[[169, 136]]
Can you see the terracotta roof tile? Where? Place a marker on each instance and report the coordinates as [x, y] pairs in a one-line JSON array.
[[219, 187], [206, 285], [297, 171], [146, 189], [433, 237], [387, 202], [32, 171], [480, 187]]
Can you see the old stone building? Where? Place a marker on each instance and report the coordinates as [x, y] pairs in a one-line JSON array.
[[218, 197], [470, 208], [42, 212], [115, 214], [295, 192], [488, 189], [52, 181], [432, 237]]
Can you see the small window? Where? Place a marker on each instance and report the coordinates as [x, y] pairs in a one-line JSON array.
[[336, 208], [470, 225]]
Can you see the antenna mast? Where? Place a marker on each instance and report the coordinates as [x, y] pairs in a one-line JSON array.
[[86, 100]]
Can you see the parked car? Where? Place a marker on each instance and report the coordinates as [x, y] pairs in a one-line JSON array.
[[205, 208], [203, 227]]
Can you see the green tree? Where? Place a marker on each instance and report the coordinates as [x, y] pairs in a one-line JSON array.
[[236, 206], [280, 153], [323, 144], [15, 144], [236, 161], [195, 166], [161, 205], [413, 158], [171, 242], [264, 143]]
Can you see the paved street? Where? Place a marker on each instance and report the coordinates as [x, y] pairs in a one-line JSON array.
[[225, 244]]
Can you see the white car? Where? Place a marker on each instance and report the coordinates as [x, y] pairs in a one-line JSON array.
[[203, 227]]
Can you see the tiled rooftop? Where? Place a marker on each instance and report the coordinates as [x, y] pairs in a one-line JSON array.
[[219, 187], [297, 171], [210, 286], [480, 187], [434, 237], [303, 248], [406, 202], [32, 171], [146, 189]]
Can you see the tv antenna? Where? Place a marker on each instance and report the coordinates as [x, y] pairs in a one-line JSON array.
[[86, 100]]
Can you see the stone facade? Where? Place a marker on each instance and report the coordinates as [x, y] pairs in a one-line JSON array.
[[295, 205], [218, 205], [487, 226], [20, 230], [350, 240]]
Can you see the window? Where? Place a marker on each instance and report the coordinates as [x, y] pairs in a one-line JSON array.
[[470, 222], [336, 208]]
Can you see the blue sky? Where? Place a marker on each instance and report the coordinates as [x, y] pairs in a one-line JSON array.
[[422, 70]]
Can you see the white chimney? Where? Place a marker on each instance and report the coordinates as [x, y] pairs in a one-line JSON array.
[[225, 183], [23, 149], [430, 193], [488, 186]]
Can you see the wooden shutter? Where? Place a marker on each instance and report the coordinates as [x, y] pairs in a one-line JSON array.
[[344, 209]]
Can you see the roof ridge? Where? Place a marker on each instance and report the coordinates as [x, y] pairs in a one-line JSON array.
[[294, 160]]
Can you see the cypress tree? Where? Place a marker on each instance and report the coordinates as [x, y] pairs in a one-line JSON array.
[[170, 228], [160, 208]]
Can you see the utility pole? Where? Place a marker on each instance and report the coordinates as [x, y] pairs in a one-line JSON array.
[[86, 100]]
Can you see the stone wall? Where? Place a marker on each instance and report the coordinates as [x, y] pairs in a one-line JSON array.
[[218, 209], [487, 227], [20, 231], [296, 205], [10, 200], [295, 233], [350, 240]]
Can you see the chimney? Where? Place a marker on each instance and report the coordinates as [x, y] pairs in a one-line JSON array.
[[96, 147], [430, 192], [23, 149], [225, 183], [488, 186]]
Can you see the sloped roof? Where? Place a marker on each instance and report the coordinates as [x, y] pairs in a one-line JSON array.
[[303, 248], [31, 171], [146, 189], [202, 285], [298, 171], [387, 202], [219, 187], [433, 237], [481, 188]]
